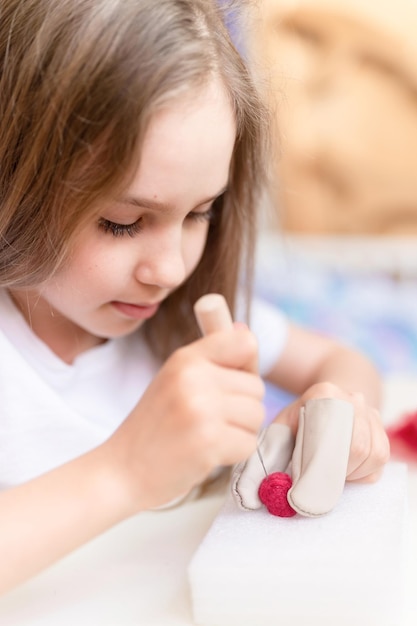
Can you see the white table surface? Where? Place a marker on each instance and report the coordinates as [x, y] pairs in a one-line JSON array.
[[135, 574]]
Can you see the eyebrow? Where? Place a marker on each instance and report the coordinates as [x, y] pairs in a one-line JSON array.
[[147, 203]]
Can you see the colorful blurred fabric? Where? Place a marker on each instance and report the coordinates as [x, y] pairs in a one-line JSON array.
[[373, 311]]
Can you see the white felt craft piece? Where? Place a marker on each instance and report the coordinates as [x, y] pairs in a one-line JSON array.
[[321, 455], [345, 568]]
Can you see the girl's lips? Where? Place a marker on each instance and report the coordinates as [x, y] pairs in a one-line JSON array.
[[135, 311]]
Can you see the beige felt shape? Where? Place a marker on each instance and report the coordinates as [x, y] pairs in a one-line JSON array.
[[321, 454], [275, 447]]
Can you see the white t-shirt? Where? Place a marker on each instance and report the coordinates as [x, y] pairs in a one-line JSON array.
[[51, 412]]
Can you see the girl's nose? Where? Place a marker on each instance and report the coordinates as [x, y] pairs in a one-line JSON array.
[[163, 264]]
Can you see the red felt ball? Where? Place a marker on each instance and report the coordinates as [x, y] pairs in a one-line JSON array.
[[273, 494], [403, 437]]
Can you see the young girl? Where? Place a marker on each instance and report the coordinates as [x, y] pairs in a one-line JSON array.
[[133, 152]]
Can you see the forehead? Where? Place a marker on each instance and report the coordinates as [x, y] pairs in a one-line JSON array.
[[189, 142]]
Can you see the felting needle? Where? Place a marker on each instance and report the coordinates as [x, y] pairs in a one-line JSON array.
[[213, 314]]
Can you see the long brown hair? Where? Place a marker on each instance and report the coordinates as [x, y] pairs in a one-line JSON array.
[[79, 82]]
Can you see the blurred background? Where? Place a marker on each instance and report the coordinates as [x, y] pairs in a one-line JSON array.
[[344, 77], [338, 247]]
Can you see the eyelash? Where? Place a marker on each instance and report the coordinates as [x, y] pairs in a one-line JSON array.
[[119, 230]]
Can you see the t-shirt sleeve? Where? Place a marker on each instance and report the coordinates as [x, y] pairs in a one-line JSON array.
[[270, 326]]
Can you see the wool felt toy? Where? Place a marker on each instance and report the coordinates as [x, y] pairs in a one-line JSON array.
[[273, 493], [316, 461]]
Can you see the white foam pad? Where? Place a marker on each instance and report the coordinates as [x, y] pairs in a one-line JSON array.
[[345, 568]]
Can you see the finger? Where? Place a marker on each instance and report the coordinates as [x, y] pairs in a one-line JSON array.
[[361, 445], [378, 455], [234, 445], [358, 399], [237, 348], [238, 382], [244, 413], [368, 479], [225, 416], [212, 442]]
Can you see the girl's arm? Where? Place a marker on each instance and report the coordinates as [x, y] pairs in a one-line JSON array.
[[313, 366], [202, 410], [48, 517]]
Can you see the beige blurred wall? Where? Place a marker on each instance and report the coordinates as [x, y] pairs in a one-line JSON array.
[[342, 75]]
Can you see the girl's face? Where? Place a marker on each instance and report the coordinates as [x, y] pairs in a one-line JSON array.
[[147, 240]]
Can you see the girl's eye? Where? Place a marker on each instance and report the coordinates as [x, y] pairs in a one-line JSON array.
[[205, 216], [119, 230]]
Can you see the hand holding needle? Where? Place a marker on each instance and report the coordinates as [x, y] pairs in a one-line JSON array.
[[213, 315]]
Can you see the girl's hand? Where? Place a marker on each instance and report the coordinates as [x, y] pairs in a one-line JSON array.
[[369, 450], [203, 410]]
